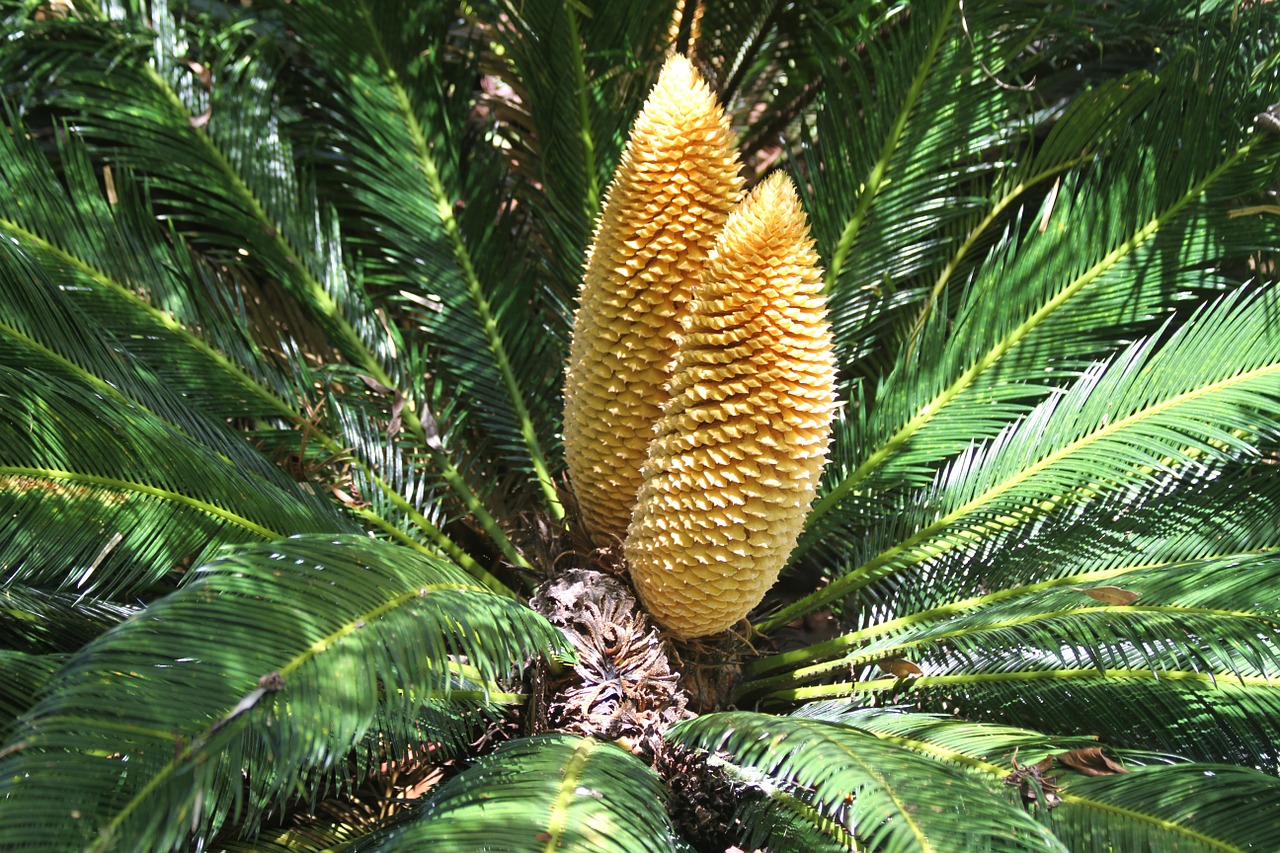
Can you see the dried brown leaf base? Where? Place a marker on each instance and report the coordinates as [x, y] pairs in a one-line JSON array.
[[623, 687]]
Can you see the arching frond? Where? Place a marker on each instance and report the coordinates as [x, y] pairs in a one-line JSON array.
[[1207, 391], [154, 113], [554, 792], [1198, 639], [985, 748], [24, 676], [1183, 807], [1112, 250], [127, 494], [53, 623], [121, 269], [317, 637], [47, 329], [187, 335], [405, 158], [1140, 801], [1136, 800], [884, 796]]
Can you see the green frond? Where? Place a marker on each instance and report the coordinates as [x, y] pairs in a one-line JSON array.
[[1142, 801], [46, 329], [25, 675], [1206, 512], [1156, 803], [105, 498], [217, 159], [435, 218], [118, 268], [80, 231], [1213, 523], [985, 748], [1206, 391], [884, 796], [1183, 807], [552, 792], [1200, 642], [316, 638], [42, 622], [1114, 248]]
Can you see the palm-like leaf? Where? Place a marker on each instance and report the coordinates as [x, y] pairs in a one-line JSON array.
[[553, 792], [453, 266], [1146, 801], [151, 105], [318, 636], [132, 494], [1037, 311], [1237, 812], [859, 787]]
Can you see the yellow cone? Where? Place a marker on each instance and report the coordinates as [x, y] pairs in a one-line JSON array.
[[674, 188], [741, 443]]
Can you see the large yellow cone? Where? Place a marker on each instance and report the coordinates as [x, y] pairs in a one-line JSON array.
[[732, 471], [674, 188]]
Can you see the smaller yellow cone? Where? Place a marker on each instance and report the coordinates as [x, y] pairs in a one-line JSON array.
[[734, 466]]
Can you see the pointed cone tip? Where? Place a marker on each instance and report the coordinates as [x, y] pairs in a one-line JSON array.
[[771, 210], [679, 80], [775, 192]]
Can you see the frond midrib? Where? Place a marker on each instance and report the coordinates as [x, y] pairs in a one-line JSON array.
[[1169, 826], [558, 816], [1079, 674]]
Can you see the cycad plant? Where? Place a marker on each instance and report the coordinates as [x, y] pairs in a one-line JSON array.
[[291, 556]]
